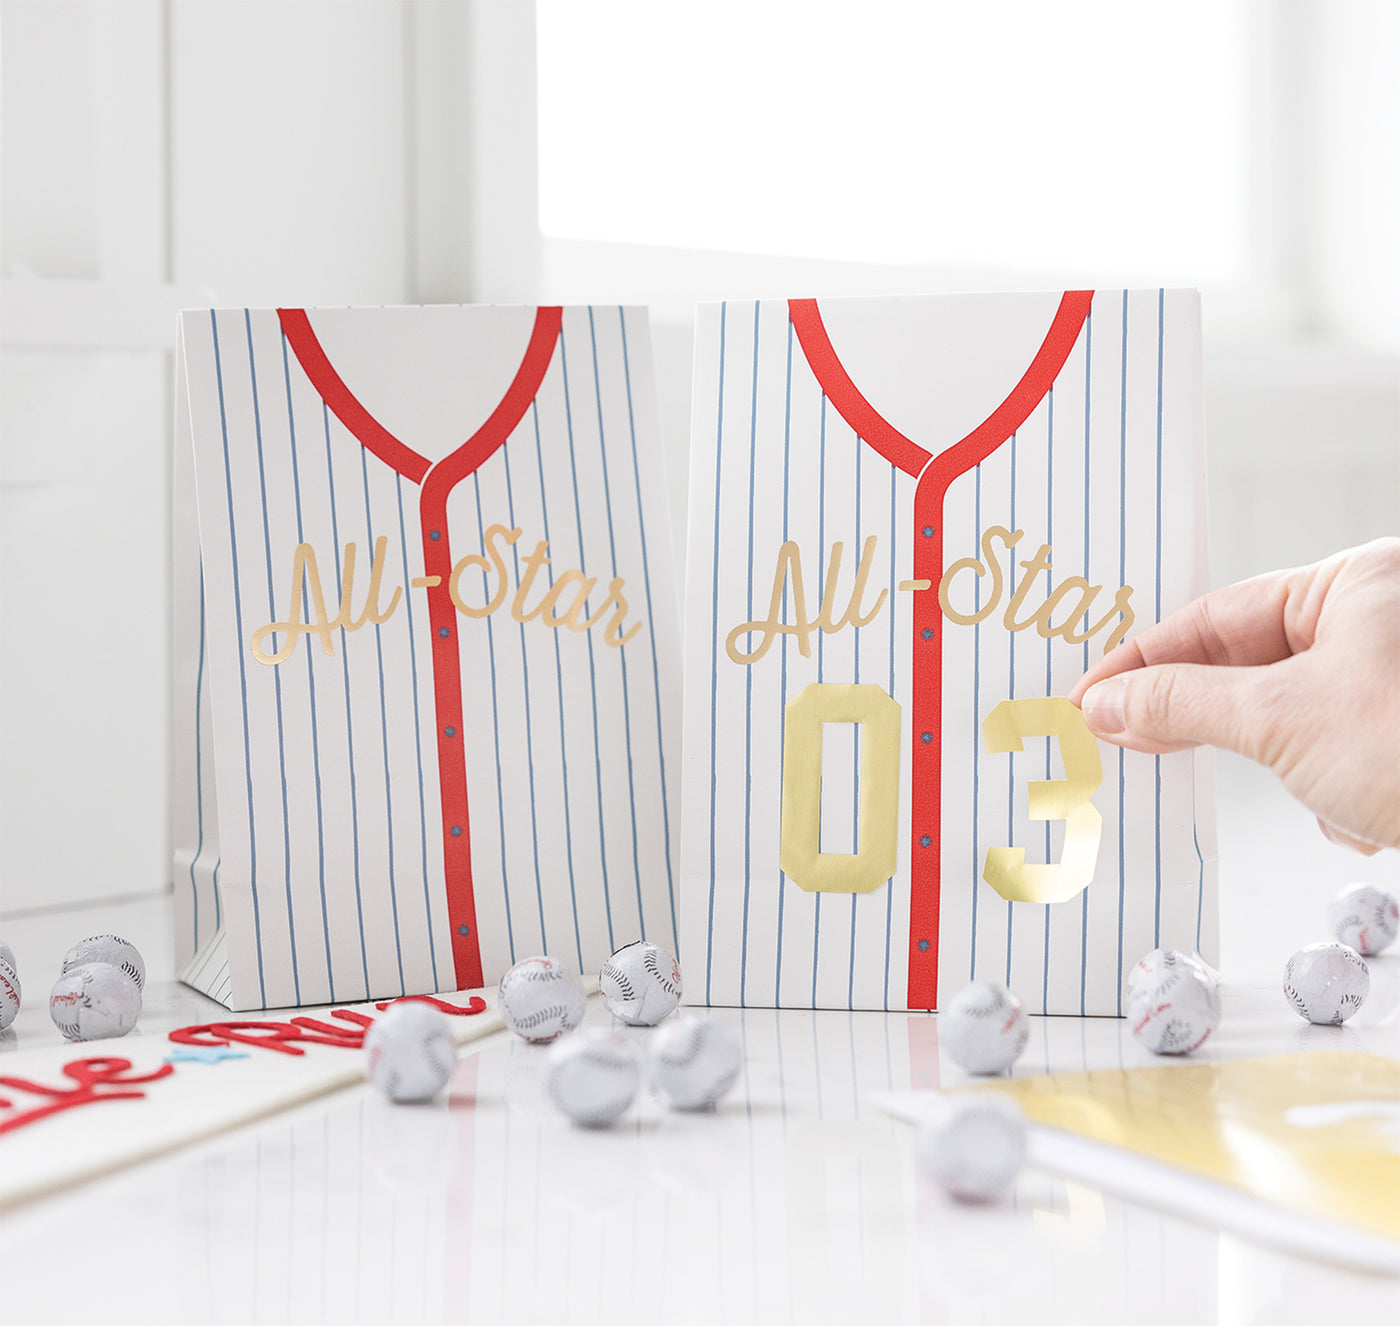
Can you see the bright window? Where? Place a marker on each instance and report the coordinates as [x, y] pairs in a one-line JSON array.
[[1093, 135]]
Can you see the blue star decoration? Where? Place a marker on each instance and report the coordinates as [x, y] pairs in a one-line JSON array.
[[203, 1054]]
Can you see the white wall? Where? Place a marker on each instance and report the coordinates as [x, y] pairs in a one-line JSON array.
[[84, 385], [155, 156]]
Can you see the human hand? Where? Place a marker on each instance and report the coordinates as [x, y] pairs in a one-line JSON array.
[[1299, 670]]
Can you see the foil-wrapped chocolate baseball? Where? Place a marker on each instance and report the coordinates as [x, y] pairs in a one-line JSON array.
[[983, 1028], [94, 1001], [409, 1052], [641, 984], [1173, 1002], [693, 1062], [539, 999], [593, 1077], [975, 1148], [1364, 918], [1151, 965], [10, 994], [1326, 983], [7, 954], [111, 949]]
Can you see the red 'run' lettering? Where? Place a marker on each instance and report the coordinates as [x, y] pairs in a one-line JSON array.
[[288, 1037]]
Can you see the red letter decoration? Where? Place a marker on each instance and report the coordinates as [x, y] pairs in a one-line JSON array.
[[284, 1036], [90, 1075]]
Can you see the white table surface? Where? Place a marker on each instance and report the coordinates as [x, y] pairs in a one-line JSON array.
[[797, 1201]]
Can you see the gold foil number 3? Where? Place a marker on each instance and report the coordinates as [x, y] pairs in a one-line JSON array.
[[1064, 798]]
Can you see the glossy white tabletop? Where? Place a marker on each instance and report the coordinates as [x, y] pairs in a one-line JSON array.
[[796, 1201]]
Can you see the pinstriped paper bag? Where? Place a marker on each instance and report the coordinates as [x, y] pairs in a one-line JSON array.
[[914, 523], [427, 664]]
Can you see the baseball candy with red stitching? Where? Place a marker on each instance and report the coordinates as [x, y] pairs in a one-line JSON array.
[[693, 1062], [1326, 983], [1151, 966], [975, 1149], [641, 984], [1364, 918], [983, 1028], [112, 949], [1173, 1002], [10, 993], [539, 999], [593, 1077], [410, 1053], [93, 1001]]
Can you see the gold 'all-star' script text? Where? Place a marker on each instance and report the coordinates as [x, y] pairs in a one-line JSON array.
[[1074, 595], [562, 603], [1074, 590]]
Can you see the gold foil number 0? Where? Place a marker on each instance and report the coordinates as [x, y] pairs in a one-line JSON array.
[[1064, 798], [803, 861]]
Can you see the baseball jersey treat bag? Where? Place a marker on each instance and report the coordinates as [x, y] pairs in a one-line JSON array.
[[427, 660], [913, 524]]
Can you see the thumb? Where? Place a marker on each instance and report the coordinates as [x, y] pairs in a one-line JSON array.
[[1344, 839], [1176, 705]]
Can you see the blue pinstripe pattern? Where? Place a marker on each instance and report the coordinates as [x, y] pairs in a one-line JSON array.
[[558, 658], [783, 692], [219, 986], [198, 973], [384, 738], [276, 675], [893, 543], [651, 633], [198, 762], [1010, 763], [349, 725], [855, 800], [196, 977], [821, 637], [592, 667], [1157, 616], [714, 653], [1049, 683], [1200, 878], [242, 666], [530, 739], [310, 683], [496, 734], [1084, 897], [976, 727], [889, 891], [621, 653], [1122, 576], [748, 684]]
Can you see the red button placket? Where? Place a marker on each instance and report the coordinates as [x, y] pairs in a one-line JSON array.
[[451, 743], [926, 747], [437, 482]]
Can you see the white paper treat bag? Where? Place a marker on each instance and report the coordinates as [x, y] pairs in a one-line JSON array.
[[913, 524], [427, 684]]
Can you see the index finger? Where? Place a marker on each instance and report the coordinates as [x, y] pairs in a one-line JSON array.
[[1241, 625]]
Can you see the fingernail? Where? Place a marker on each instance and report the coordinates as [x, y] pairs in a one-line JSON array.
[[1102, 705]]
